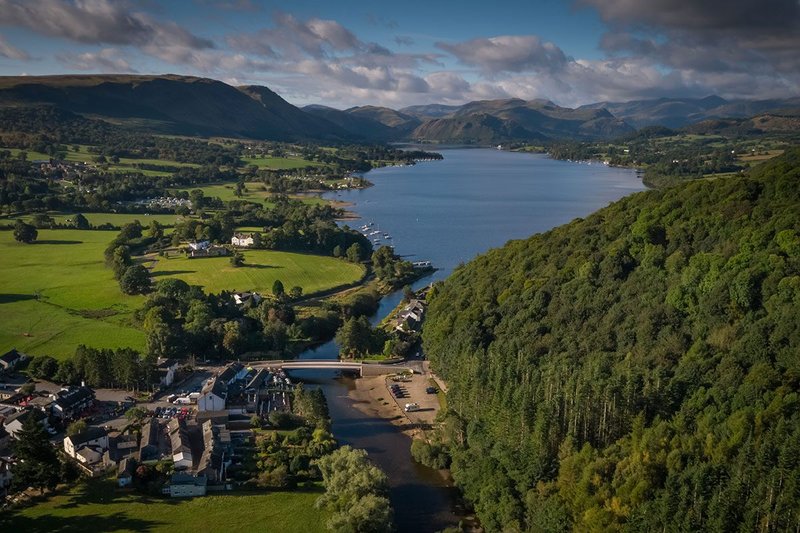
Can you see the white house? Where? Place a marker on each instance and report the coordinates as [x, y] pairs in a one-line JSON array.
[[201, 245], [242, 298], [87, 447], [69, 402], [243, 240], [166, 369], [181, 447], [213, 395], [13, 423], [183, 485], [10, 360]]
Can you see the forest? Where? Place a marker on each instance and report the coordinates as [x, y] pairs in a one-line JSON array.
[[636, 370]]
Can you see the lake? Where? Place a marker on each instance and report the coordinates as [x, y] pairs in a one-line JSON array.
[[448, 212]]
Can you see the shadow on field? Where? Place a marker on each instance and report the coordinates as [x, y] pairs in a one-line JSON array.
[[170, 272], [54, 241], [11, 298], [79, 524], [259, 266]]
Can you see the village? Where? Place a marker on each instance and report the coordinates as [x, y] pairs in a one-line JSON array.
[[188, 434]]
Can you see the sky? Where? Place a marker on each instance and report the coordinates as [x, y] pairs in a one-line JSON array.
[[345, 53]]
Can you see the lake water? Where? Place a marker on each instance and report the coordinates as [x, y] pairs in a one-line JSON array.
[[448, 212]]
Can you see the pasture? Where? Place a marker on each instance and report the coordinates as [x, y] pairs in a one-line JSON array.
[[57, 293], [99, 506], [254, 192], [261, 268], [279, 163]]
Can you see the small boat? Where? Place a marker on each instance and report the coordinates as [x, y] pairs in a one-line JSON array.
[[386, 236]]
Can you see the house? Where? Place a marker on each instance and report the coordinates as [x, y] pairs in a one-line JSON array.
[[211, 251], [125, 472], [11, 359], [121, 446], [70, 402], [166, 369], [197, 246], [182, 485], [256, 386], [181, 446], [213, 395], [13, 423], [243, 240], [233, 372], [7, 391], [87, 447], [410, 316], [148, 447], [5, 475], [242, 298], [214, 460]]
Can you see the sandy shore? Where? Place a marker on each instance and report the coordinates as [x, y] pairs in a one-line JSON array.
[[372, 398]]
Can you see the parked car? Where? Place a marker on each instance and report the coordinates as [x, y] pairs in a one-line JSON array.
[[431, 390], [410, 407]]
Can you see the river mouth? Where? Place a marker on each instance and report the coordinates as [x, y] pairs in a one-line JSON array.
[[448, 212]]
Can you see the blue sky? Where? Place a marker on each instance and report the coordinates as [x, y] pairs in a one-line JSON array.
[[353, 52]]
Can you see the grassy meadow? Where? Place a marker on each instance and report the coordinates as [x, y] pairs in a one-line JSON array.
[[57, 293], [261, 268], [79, 299], [96, 219], [100, 506], [125, 164], [254, 192], [279, 163]]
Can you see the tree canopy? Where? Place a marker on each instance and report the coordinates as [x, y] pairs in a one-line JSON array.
[[636, 370]]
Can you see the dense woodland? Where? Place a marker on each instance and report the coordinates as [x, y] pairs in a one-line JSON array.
[[636, 370]]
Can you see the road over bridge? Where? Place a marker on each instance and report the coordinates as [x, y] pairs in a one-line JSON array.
[[332, 364]]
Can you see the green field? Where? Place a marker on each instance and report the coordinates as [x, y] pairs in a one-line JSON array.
[[254, 192], [279, 163], [117, 219], [99, 506], [126, 164], [313, 273], [79, 300]]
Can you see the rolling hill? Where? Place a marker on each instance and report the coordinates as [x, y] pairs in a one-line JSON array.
[[515, 119], [679, 112], [172, 104]]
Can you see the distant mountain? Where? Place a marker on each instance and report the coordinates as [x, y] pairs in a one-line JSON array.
[[785, 121], [355, 124], [477, 128], [425, 112], [172, 104], [679, 112], [515, 119], [400, 122]]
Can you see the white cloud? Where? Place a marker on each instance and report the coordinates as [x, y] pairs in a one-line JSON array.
[[12, 52], [106, 60]]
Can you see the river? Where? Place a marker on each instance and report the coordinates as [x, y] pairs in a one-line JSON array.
[[448, 212]]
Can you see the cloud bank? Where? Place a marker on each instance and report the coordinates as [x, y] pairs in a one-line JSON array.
[[735, 48]]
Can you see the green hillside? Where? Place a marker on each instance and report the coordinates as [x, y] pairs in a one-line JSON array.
[[184, 105], [637, 370]]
